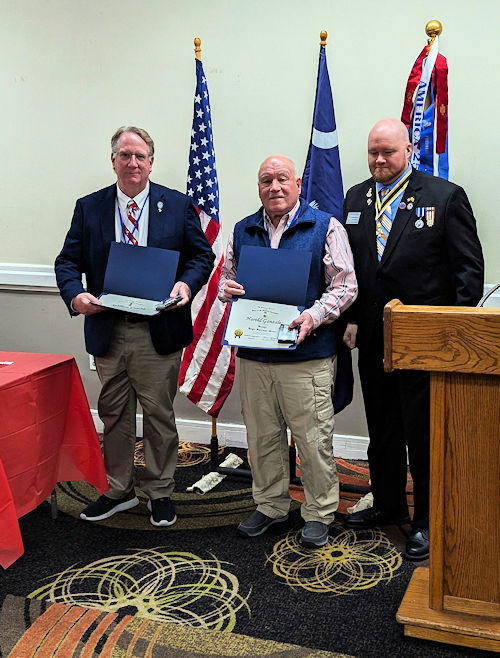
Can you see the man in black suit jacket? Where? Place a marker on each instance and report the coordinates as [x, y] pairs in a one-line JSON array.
[[413, 237], [137, 357]]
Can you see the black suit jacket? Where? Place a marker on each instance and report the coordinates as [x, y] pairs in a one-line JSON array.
[[86, 249], [439, 264]]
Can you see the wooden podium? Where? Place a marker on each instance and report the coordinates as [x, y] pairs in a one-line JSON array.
[[457, 599]]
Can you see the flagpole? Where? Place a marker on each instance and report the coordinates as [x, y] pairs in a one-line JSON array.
[[214, 441], [427, 93], [433, 29]]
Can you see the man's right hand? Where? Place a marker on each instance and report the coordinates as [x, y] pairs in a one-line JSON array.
[[233, 288], [350, 335], [87, 304]]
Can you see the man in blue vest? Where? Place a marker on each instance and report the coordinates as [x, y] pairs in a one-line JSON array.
[[292, 388]]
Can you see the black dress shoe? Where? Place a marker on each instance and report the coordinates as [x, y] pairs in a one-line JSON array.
[[373, 517], [417, 545]]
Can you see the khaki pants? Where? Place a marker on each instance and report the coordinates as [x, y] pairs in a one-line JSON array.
[[132, 370], [275, 396]]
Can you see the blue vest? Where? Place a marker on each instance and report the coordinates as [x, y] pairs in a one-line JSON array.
[[307, 233]]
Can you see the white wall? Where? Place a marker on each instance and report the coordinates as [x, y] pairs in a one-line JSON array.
[[72, 71]]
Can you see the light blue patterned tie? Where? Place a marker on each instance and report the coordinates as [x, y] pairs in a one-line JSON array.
[[384, 223]]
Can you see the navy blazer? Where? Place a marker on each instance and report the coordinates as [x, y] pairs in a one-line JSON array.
[[86, 248], [439, 262]]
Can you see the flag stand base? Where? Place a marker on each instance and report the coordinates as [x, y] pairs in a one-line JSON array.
[[247, 473]]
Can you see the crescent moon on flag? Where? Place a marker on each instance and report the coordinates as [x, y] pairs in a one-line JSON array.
[[324, 140]]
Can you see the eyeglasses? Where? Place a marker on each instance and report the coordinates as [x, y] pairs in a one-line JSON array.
[[125, 156]]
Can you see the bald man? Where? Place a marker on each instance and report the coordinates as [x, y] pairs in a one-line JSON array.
[[414, 238], [292, 388]]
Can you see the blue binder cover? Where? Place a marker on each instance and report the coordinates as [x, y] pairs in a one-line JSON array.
[[274, 275], [144, 272]]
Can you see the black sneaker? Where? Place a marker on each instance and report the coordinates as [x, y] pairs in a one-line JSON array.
[[314, 534], [257, 523], [162, 512], [104, 507]]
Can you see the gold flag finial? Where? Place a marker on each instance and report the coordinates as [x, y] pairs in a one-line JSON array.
[[322, 38], [197, 48], [433, 29]]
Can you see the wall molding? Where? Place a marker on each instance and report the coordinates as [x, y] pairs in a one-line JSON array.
[[26, 277], [233, 435]]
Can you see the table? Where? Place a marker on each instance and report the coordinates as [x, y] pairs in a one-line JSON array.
[[47, 435]]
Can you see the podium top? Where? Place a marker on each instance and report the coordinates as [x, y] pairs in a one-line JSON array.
[[441, 338]]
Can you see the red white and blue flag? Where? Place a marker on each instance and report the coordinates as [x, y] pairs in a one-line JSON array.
[[425, 111], [207, 367]]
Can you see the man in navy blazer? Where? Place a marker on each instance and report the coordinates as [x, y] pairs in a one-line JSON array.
[[413, 237], [137, 357]]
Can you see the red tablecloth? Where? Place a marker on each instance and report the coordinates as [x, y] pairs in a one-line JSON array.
[[47, 435]]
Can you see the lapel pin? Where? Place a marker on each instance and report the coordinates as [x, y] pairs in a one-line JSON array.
[[159, 205], [402, 205], [369, 193], [368, 201], [410, 206]]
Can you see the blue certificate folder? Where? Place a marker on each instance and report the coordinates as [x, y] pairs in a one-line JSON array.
[[144, 272], [274, 275]]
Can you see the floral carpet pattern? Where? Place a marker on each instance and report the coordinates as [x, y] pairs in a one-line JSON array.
[[123, 588]]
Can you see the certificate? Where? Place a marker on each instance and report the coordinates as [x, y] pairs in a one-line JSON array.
[[255, 324], [129, 304]]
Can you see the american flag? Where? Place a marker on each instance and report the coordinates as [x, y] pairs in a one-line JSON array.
[[207, 367]]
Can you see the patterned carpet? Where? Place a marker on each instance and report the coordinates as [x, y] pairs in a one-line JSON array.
[[71, 630], [122, 587]]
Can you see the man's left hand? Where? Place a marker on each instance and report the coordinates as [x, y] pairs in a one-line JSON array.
[[305, 324], [182, 289]]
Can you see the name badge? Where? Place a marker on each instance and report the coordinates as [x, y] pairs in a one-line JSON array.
[[353, 218]]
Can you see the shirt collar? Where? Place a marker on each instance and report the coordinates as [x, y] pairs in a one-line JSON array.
[[139, 199], [287, 217]]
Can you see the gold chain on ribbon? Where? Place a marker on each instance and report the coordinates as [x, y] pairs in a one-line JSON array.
[[395, 192]]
